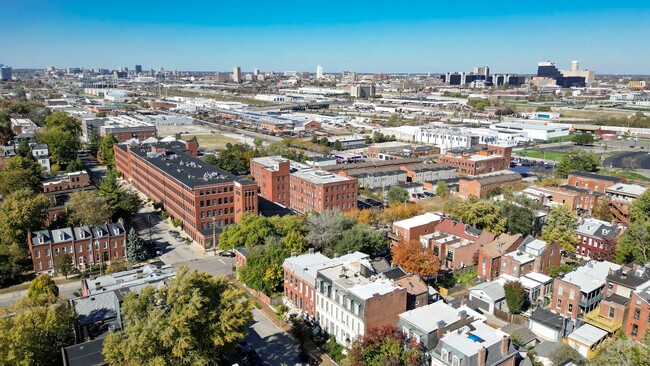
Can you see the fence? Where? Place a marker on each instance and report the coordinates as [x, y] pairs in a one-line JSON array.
[[271, 301], [510, 318]]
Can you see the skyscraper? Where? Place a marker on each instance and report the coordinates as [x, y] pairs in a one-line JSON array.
[[5, 73], [236, 74], [319, 72], [138, 69]]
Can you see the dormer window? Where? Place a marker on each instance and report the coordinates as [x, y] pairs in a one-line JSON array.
[[61, 236], [41, 239], [100, 232], [116, 231], [82, 234]]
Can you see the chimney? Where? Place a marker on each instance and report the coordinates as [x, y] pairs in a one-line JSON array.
[[482, 354], [441, 329], [311, 250], [505, 342], [294, 254], [462, 314]]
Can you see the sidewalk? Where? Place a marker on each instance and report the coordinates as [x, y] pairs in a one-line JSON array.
[[269, 313]]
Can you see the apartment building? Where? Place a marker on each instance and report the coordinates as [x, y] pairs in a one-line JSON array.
[[596, 238], [65, 182], [317, 190], [580, 291], [490, 255], [414, 227], [271, 174], [591, 181], [377, 177], [204, 198], [454, 243], [481, 185], [476, 161], [88, 245], [351, 298], [476, 344], [614, 309], [532, 255], [300, 278], [587, 199]]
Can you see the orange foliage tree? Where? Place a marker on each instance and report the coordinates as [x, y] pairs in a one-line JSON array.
[[415, 258]]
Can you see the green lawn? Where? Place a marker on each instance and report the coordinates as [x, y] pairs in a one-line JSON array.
[[561, 138], [539, 154], [211, 141], [628, 174]]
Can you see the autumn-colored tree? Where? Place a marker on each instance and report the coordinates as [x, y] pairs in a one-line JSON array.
[[602, 211], [415, 258], [385, 346], [399, 212], [367, 217]]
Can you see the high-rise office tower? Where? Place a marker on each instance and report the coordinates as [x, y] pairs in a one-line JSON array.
[[5, 73], [236, 74], [319, 72], [256, 72], [138, 69]]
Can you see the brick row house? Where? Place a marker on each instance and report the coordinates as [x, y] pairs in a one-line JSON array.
[[88, 245], [476, 161], [204, 198], [597, 239], [490, 255], [58, 190]]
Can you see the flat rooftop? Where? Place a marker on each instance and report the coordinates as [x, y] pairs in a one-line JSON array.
[[425, 218], [174, 162], [626, 189], [427, 317], [470, 339], [320, 176]]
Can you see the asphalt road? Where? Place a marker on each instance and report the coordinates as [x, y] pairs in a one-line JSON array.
[[274, 346], [629, 160]]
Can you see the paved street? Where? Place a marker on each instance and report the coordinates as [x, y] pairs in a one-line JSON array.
[[271, 343]]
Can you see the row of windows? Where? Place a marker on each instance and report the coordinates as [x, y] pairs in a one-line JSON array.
[[70, 249], [216, 201], [205, 192]]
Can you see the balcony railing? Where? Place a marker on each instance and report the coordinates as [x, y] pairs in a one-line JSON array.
[[394, 237], [584, 303], [594, 318]]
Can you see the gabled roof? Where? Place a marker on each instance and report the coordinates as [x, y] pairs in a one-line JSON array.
[[501, 244], [596, 176], [588, 335], [547, 319]]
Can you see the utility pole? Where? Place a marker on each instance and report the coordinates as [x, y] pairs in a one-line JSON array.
[[214, 235]]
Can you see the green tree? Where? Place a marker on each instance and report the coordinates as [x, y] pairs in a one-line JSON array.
[[337, 145], [442, 190], [135, 248], [640, 208], [263, 269], [19, 173], [385, 346], [515, 296], [63, 264], [42, 286], [326, 227], [583, 139], [32, 332], [484, 215], [94, 140], [63, 121], [106, 154], [251, 232], [359, 238], [23, 149], [560, 226], [123, 204], [235, 158], [75, 165], [397, 195], [556, 271], [601, 211], [258, 143], [20, 213], [519, 219], [196, 320], [577, 161], [63, 144], [87, 208], [625, 352], [634, 244], [543, 108]]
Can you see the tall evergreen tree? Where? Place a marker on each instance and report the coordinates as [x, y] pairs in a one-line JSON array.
[[135, 248]]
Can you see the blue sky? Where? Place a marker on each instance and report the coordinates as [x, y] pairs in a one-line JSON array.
[[363, 36]]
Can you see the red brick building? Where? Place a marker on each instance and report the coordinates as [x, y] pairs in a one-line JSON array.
[[300, 280], [88, 245], [272, 176], [66, 181], [638, 316], [317, 190], [591, 181], [596, 238], [198, 194], [532, 255], [478, 161], [581, 290], [414, 227], [490, 254], [479, 186]]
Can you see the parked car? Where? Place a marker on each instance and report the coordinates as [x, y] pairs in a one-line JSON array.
[[173, 233], [227, 254]]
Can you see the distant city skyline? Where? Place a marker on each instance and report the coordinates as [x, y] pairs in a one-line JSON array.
[[366, 37]]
